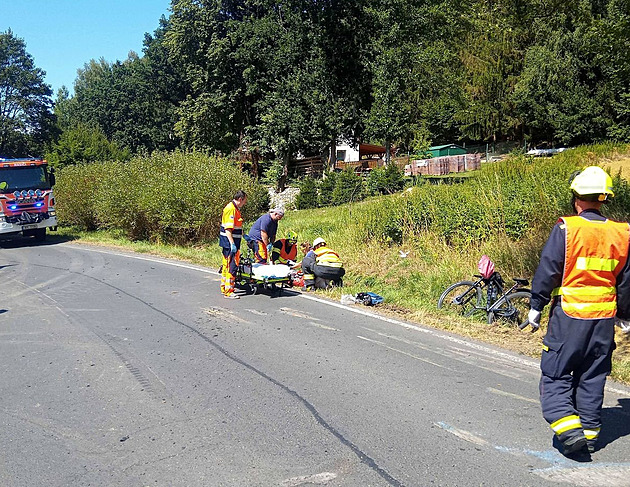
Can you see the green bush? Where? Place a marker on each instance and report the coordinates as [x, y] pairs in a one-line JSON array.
[[385, 180], [307, 197], [272, 172], [348, 188], [169, 197], [326, 188], [75, 194], [381, 221]]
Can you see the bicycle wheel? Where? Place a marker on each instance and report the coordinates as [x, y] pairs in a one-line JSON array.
[[510, 309], [462, 297]]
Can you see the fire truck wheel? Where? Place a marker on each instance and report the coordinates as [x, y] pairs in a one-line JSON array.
[[40, 234]]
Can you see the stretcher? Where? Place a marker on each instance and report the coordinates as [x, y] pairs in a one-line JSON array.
[[272, 277]]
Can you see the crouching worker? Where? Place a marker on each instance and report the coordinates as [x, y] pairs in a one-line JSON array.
[[328, 268], [263, 234], [284, 250]]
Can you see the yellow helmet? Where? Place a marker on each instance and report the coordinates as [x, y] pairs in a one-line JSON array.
[[593, 183], [292, 237]]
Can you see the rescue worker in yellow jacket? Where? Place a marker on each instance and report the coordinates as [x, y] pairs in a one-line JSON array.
[[230, 235], [284, 250], [584, 273], [328, 267]]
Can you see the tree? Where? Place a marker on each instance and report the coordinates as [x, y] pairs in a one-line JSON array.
[[83, 143], [200, 43], [26, 120], [133, 102], [415, 70], [128, 101]]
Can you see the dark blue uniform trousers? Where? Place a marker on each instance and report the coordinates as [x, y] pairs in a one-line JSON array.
[[575, 362]]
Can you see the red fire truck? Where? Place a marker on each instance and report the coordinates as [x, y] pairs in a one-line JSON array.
[[27, 204]]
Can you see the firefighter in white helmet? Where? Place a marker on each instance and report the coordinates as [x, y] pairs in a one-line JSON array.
[[584, 273], [328, 266]]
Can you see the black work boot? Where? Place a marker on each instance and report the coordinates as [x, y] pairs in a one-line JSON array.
[[591, 445], [574, 445]]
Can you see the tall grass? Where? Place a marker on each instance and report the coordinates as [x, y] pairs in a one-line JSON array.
[[166, 197]]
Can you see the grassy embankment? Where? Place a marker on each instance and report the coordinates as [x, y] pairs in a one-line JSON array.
[[505, 212]]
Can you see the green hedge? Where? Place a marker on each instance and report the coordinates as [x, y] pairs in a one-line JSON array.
[[169, 197]]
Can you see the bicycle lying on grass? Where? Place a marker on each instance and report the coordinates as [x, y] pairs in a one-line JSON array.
[[509, 306]]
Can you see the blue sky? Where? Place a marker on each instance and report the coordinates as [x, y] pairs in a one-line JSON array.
[[63, 35]]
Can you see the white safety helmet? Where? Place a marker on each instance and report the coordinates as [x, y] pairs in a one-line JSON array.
[[318, 240], [592, 184]]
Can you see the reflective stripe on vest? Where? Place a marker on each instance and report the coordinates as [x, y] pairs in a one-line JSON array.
[[231, 219], [596, 251], [326, 257]]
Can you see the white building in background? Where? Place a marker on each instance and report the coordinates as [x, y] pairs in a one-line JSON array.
[[347, 152], [357, 152]]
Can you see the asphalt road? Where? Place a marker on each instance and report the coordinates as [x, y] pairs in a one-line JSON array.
[[129, 370]]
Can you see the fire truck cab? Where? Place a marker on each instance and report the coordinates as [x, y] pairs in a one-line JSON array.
[[27, 204]]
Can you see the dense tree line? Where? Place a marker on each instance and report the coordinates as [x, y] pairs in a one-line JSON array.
[[26, 121], [282, 78]]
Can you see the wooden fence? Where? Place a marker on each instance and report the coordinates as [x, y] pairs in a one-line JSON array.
[[309, 166], [438, 166]]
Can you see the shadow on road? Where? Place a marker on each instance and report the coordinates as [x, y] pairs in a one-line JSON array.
[[21, 241], [271, 293], [616, 423]]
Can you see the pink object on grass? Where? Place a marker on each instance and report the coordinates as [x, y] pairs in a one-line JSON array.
[[485, 266]]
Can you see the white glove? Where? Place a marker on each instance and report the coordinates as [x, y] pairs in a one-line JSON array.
[[623, 324], [533, 317]]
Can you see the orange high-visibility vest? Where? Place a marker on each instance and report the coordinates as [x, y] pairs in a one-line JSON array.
[[231, 220], [283, 255], [325, 256], [596, 252]]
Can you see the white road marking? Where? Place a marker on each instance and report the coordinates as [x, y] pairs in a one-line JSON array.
[[509, 394], [421, 359], [214, 311], [472, 357], [97, 310], [298, 314], [226, 314], [323, 327], [464, 435], [256, 312], [602, 474], [318, 478]]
